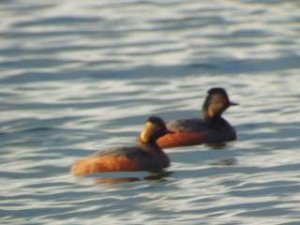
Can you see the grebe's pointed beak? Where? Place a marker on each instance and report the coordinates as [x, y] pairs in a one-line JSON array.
[[233, 103]]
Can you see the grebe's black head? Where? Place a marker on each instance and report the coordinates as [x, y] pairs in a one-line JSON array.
[[216, 102], [154, 128]]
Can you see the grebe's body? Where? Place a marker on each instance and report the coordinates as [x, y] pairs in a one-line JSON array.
[[145, 156], [212, 128]]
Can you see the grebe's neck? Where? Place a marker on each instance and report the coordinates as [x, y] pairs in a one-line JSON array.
[[151, 146], [210, 116]]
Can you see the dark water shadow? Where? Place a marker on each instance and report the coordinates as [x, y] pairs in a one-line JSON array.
[[218, 146], [224, 162], [157, 176]]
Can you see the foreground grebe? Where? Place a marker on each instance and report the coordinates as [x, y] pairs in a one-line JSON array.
[[211, 129], [147, 155]]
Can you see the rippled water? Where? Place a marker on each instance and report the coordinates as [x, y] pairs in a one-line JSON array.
[[77, 77]]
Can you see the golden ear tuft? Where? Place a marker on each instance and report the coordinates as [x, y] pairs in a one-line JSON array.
[[147, 132]]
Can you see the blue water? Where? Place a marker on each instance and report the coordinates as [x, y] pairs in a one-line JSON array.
[[79, 76]]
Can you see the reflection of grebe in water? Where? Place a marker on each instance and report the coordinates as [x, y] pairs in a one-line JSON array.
[[211, 129], [146, 156], [160, 177]]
